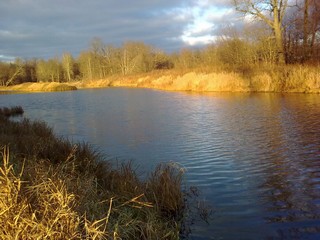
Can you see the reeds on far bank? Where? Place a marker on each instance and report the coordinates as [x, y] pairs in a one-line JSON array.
[[289, 78], [52, 188], [240, 78]]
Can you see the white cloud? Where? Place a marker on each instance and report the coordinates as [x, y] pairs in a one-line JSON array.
[[200, 40], [4, 58], [207, 18], [11, 35]]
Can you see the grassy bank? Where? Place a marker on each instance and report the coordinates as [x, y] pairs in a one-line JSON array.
[[52, 188], [40, 87], [295, 78], [265, 78]]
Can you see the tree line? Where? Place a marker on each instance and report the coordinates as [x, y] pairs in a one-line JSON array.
[[280, 32], [97, 62]]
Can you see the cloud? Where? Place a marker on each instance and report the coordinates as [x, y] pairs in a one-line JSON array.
[[9, 35], [209, 19], [5, 58], [46, 28]]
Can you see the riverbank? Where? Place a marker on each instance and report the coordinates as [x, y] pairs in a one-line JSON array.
[[53, 188], [287, 79], [39, 87]]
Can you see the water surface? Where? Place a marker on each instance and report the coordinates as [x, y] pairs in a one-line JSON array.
[[254, 157]]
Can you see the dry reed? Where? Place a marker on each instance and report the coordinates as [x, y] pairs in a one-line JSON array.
[[225, 78]]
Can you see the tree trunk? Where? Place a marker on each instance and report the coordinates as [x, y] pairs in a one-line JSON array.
[[305, 30], [277, 29], [16, 73], [314, 26], [89, 68], [258, 8]]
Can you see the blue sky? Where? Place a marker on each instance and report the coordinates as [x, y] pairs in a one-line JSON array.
[[47, 28]]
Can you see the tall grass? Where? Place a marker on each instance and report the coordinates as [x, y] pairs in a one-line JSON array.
[[230, 78], [52, 188], [289, 78], [42, 210]]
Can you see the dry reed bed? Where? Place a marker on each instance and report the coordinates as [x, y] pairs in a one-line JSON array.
[[271, 78], [300, 79], [52, 188]]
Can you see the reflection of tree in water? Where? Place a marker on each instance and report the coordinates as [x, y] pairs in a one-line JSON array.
[[291, 190]]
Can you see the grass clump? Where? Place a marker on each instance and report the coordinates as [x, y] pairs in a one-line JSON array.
[[52, 188], [13, 111]]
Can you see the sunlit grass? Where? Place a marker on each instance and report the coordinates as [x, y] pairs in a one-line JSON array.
[[217, 77], [41, 87], [223, 78]]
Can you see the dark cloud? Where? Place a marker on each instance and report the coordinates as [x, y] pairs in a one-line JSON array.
[[46, 28]]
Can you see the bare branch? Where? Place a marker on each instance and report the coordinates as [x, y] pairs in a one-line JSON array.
[[16, 73]]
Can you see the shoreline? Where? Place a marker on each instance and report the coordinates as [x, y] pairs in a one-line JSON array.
[[262, 82], [38, 87]]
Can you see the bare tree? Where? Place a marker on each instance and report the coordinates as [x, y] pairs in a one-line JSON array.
[[261, 9], [18, 71], [85, 64], [67, 64], [49, 71], [302, 31], [98, 52], [133, 57]]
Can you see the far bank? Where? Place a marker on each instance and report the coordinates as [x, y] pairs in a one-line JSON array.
[[287, 79]]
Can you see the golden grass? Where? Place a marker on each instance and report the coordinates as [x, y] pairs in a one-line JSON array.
[[253, 78], [41, 87], [52, 188], [176, 81], [216, 78], [221, 78], [44, 210], [290, 78]]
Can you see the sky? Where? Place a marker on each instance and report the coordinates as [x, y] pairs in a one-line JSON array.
[[48, 28]]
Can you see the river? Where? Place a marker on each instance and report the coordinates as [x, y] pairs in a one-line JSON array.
[[255, 157]]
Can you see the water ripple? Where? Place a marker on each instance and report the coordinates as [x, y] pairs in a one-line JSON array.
[[254, 157]]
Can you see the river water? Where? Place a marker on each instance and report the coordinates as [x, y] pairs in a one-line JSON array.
[[254, 157]]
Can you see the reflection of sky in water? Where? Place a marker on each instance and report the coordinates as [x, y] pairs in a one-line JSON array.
[[255, 157]]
